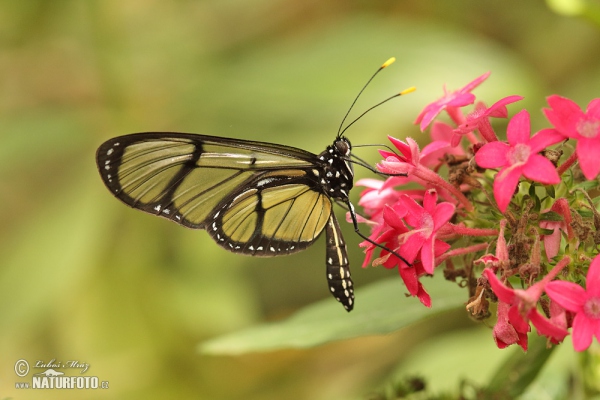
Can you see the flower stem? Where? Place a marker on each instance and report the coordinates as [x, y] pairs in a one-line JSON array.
[[436, 180], [460, 251], [564, 166], [464, 231]]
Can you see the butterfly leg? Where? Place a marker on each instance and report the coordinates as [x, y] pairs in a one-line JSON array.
[[355, 222], [338, 268]]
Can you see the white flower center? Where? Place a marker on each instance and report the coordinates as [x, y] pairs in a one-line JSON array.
[[519, 154], [591, 308], [588, 128]]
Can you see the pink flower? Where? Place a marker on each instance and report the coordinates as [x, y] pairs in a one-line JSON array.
[[585, 304], [500, 260], [425, 221], [419, 246], [377, 195], [552, 241], [480, 119], [523, 303], [505, 333], [558, 317], [409, 162], [458, 98], [441, 135], [570, 121], [518, 157], [394, 231]]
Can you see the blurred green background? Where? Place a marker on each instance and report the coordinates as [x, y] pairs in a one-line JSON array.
[[83, 277]]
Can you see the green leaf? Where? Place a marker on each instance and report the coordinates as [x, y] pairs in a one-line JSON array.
[[551, 216], [550, 191], [587, 185], [519, 369], [546, 232], [532, 189], [381, 308], [585, 213]]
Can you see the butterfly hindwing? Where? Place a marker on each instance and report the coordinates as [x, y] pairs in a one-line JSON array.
[[277, 213]]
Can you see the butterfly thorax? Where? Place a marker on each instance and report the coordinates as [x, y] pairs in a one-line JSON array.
[[337, 169]]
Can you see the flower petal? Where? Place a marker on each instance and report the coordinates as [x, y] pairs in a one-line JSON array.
[[505, 183], [587, 152], [543, 139], [411, 248], [540, 169], [460, 100], [583, 331], [504, 333], [475, 82], [423, 296], [391, 218], [517, 320], [415, 214], [569, 295], [593, 109], [400, 145], [519, 128], [503, 292], [442, 214], [492, 155], [427, 256], [415, 153], [552, 241], [564, 114], [430, 200], [409, 276], [545, 327], [593, 278], [498, 109]]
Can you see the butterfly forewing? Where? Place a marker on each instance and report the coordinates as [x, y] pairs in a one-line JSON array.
[[183, 177]]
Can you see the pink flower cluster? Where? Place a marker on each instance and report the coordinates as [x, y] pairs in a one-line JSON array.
[[430, 220]]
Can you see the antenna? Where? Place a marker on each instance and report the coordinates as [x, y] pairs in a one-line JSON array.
[[405, 91], [384, 65]]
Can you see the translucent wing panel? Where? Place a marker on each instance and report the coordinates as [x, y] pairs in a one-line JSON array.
[[185, 177], [146, 170], [218, 155], [281, 219], [201, 191]]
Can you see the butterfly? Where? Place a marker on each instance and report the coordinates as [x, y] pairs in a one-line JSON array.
[[254, 198]]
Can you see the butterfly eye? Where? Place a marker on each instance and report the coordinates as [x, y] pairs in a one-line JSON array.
[[343, 147]]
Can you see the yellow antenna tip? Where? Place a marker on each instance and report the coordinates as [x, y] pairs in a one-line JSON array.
[[409, 90], [389, 62]]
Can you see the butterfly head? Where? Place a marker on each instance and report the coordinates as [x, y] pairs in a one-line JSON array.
[[342, 146]]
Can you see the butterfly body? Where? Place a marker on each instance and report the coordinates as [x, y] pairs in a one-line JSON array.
[[253, 198]]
